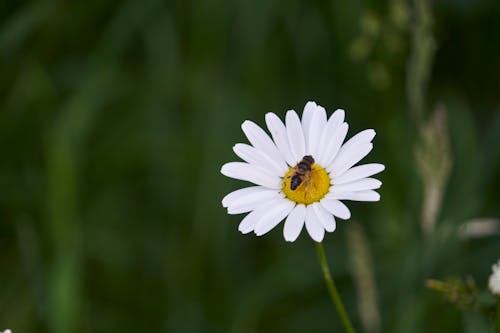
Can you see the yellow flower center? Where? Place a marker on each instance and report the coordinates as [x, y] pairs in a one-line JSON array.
[[313, 187]]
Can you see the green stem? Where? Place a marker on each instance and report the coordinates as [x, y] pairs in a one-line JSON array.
[[332, 290]]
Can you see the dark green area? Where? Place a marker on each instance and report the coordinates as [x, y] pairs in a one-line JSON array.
[[116, 116]]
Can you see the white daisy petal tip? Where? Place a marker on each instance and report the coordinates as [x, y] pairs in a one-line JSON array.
[[270, 116], [311, 109], [246, 124], [365, 136], [373, 134], [310, 105], [317, 236], [245, 229], [336, 208], [223, 170], [313, 226], [370, 132], [294, 223], [282, 162]]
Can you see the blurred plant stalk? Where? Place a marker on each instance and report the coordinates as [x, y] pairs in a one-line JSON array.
[[479, 228], [432, 151], [363, 271], [423, 47], [434, 161], [463, 294], [467, 297]]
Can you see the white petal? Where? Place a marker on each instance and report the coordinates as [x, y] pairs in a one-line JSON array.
[[325, 218], [316, 127], [307, 115], [352, 145], [260, 140], [295, 136], [273, 216], [254, 156], [251, 173], [313, 226], [249, 222], [348, 157], [357, 185], [333, 147], [279, 134], [242, 194], [336, 208], [294, 223], [364, 136], [332, 126], [358, 172], [368, 195], [337, 117], [249, 199]]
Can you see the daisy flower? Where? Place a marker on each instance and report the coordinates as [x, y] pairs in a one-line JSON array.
[[494, 282], [301, 173]]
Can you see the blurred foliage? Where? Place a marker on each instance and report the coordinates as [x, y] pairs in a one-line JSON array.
[[115, 117]]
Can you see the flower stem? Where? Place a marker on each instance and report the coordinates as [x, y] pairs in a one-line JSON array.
[[332, 290]]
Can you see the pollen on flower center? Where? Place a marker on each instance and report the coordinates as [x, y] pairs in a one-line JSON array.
[[314, 186]]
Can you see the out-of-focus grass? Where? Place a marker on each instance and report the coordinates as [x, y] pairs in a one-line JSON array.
[[115, 118]]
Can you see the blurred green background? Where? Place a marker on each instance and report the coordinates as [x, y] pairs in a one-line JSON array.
[[116, 116]]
